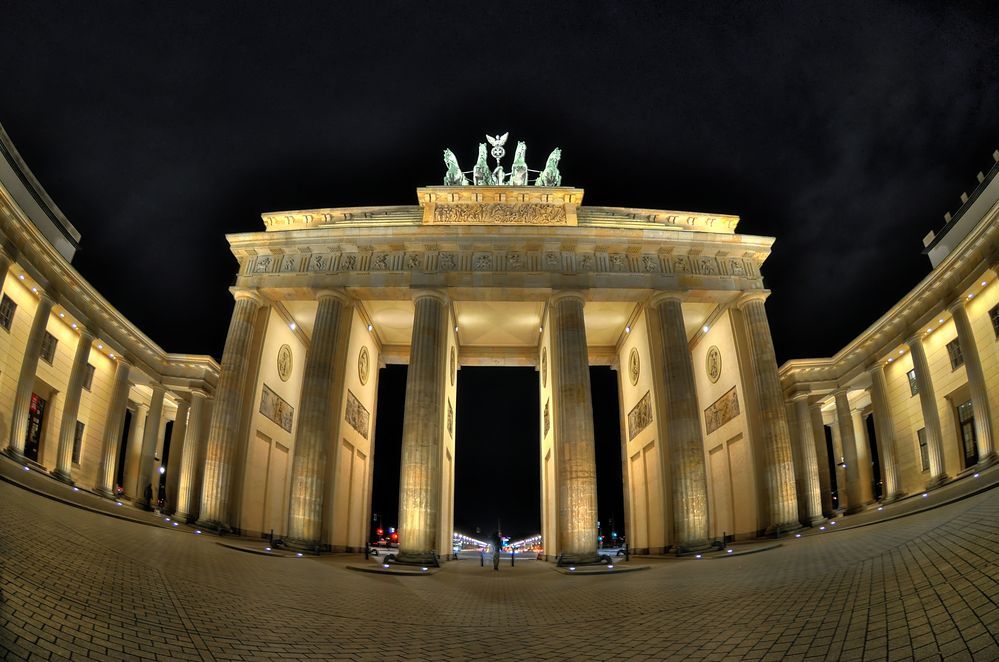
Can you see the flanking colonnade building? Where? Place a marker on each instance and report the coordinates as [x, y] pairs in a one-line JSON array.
[[911, 403], [84, 394]]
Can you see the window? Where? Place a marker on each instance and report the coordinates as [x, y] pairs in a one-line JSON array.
[[913, 384], [954, 352], [77, 442], [88, 377], [966, 423], [924, 451], [48, 347], [7, 308], [993, 315]]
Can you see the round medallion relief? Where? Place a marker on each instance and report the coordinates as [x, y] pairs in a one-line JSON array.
[[713, 364], [363, 365], [634, 366], [284, 362], [544, 366], [454, 366]]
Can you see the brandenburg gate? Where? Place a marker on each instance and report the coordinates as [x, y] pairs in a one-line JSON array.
[[499, 270]]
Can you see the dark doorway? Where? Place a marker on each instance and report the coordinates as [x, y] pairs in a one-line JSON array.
[[831, 459], [387, 451], [119, 471], [607, 438], [36, 416], [161, 489], [969, 442], [872, 443]]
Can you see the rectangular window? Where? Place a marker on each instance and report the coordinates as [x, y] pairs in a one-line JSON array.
[[954, 352], [7, 308], [913, 384], [77, 442], [88, 377], [48, 347], [993, 315], [924, 451]]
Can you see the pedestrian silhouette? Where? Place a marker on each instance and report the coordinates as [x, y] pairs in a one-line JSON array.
[[497, 542]]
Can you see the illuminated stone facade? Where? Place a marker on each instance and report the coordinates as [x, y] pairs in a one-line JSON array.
[[84, 394]]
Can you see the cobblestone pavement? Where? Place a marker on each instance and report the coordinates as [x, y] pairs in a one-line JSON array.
[[79, 584]]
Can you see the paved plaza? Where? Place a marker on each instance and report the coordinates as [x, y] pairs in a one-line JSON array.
[[80, 584]]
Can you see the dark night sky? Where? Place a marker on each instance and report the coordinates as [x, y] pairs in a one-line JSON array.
[[844, 129]]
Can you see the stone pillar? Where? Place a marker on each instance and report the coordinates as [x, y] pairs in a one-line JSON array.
[[576, 518], [810, 483], [865, 469], [220, 454], [776, 441], [26, 378], [178, 448], [976, 383], [113, 423], [822, 459], [848, 439], [133, 451], [421, 471], [315, 438], [71, 407], [148, 454], [185, 502], [928, 404], [683, 426], [6, 258], [884, 426]]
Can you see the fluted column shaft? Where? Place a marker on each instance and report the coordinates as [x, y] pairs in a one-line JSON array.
[[133, 451], [148, 454], [976, 382], [928, 404], [822, 458], [5, 261], [575, 453], [71, 408], [778, 458], [220, 453], [848, 439], [315, 424], [114, 420], [810, 483], [683, 426], [26, 378], [865, 466], [421, 470], [178, 448], [187, 487], [884, 426]]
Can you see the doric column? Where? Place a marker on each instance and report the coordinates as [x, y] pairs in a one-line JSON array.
[[822, 458], [133, 451], [26, 378], [884, 426], [683, 426], [420, 479], [779, 461], [865, 467], [114, 420], [6, 259], [148, 454], [848, 439], [928, 404], [575, 454], [178, 448], [315, 438], [810, 484], [220, 453], [71, 407], [185, 504], [976, 383]]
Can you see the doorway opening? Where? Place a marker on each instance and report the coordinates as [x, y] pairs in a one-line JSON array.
[[831, 460], [872, 443]]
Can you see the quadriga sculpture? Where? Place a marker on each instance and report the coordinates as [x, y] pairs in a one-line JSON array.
[[550, 176], [518, 172], [453, 176], [481, 174]]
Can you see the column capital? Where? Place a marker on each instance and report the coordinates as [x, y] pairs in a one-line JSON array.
[[440, 295], [337, 293], [875, 367], [665, 295], [245, 293], [749, 296], [799, 396], [139, 406], [198, 393], [566, 294], [915, 338], [958, 303], [8, 251], [841, 390]]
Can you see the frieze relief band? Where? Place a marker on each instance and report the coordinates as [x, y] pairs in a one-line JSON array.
[[505, 261]]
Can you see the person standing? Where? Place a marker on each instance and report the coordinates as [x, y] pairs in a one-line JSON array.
[[497, 543]]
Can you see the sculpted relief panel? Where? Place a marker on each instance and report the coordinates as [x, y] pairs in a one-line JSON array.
[[640, 416], [276, 408], [723, 410], [505, 214], [357, 416]]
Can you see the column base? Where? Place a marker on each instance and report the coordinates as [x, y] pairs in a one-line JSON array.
[[184, 517], [778, 530], [214, 527], [816, 519], [296, 545], [898, 496], [692, 547], [15, 455], [62, 478], [936, 481], [580, 558], [417, 558], [987, 461]]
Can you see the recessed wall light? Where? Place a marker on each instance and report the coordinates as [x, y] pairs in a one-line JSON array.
[[35, 290], [73, 325], [292, 326], [627, 329], [984, 283], [100, 346], [61, 315], [370, 327], [706, 328]]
